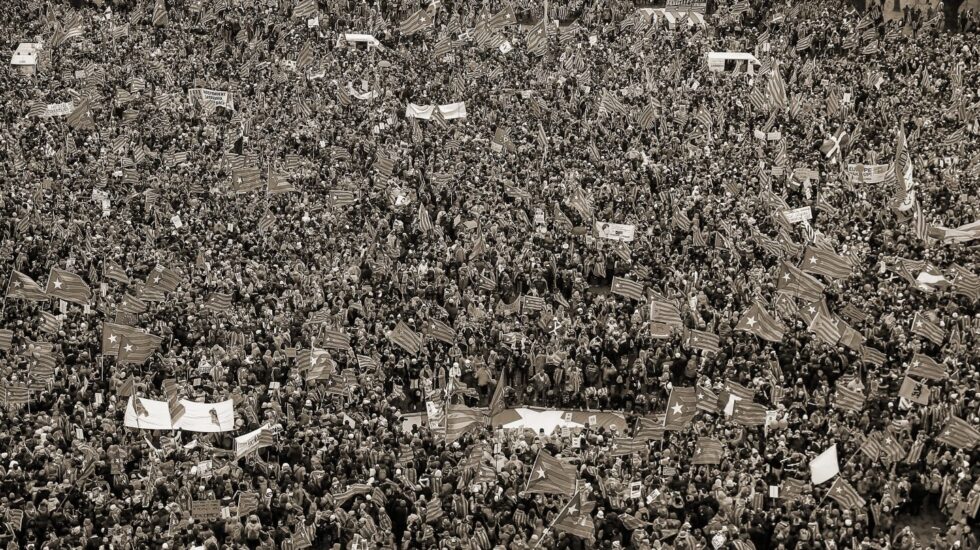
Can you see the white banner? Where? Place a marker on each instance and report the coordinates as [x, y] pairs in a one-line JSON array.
[[449, 111], [615, 231], [252, 441], [197, 417], [868, 173], [797, 215], [213, 97], [59, 109]]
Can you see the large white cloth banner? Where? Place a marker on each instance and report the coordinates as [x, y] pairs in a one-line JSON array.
[[197, 416]]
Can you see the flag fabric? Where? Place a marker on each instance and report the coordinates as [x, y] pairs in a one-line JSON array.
[[218, 302], [160, 16], [80, 117], [922, 326], [305, 56], [114, 271], [825, 262], [335, 339], [627, 288], [162, 278], [650, 428], [425, 223], [682, 405], [749, 414], [849, 399], [704, 341], [795, 282], [405, 338], [497, 403], [418, 21], [575, 518], [276, 184], [958, 433], [67, 286], [440, 331], [305, 9], [504, 17], [776, 88], [461, 419], [112, 334], [610, 104], [551, 476], [759, 322], [22, 287], [845, 495], [892, 449], [433, 510], [708, 451], [873, 356], [915, 391], [924, 366], [666, 313], [137, 347], [537, 38], [825, 466], [825, 327], [6, 339], [791, 488], [625, 446], [965, 282], [49, 323]]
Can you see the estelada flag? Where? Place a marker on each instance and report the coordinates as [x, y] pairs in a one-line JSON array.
[[137, 348], [68, 286], [406, 338], [845, 494], [162, 278], [627, 288], [576, 517], [708, 451], [23, 287], [958, 433], [418, 21], [681, 408], [551, 476], [757, 321], [924, 327], [114, 271]]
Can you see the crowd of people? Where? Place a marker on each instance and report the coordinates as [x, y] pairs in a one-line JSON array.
[[263, 206]]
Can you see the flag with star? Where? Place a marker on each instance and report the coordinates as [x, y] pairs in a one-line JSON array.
[[704, 341], [22, 287], [757, 321], [795, 282], [922, 326], [627, 288], [924, 366], [845, 495], [824, 262], [892, 449], [50, 323], [461, 419], [708, 451], [537, 38], [137, 348], [650, 428], [162, 278], [114, 271], [681, 407], [958, 433], [625, 446], [551, 476], [439, 331], [749, 414], [418, 21], [405, 338], [707, 400], [504, 17], [68, 286], [849, 399], [576, 517], [218, 302], [131, 305], [112, 335]]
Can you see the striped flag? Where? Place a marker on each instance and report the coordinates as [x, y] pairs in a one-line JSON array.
[[81, 116], [504, 17], [341, 197], [749, 414], [776, 88], [845, 495], [367, 363], [704, 341], [537, 38], [405, 338], [873, 356], [440, 331], [163, 279], [23, 287], [759, 322], [849, 399], [305, 9], [267, 222], [648, 116], [532, 303], [922, 326], [418, 21], [425, 224], [923, 366], [305, 56], [682, 405], [6, 339], [50, 323], [335, 339], [627, 288], [958, 433], [461, 419], [965, 282], [551, 476], [276, 184], [14, 393], [137, 347], [609, 104], [708, 451], [160, 16], [67, 286], [825, 327], [795, 282], [433, 510], [804, 43], [575, 518], [218, 302], [891, 448], [825, 262], [442, 48], [666, 313]]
